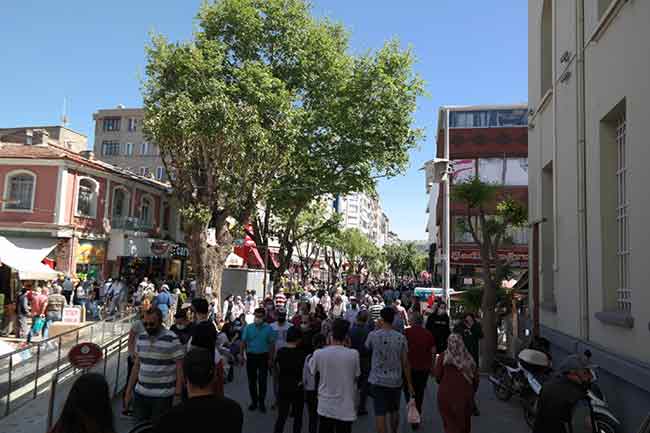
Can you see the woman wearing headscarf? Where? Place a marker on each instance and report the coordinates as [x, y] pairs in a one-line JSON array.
[[458, 378]]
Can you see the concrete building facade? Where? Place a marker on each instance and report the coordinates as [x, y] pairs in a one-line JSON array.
[[119, 141], [364, 212], [589, 83]]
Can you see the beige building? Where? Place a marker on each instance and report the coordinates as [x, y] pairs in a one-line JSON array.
[[364, 212], [119, 141], [57, 135], [589, 87]]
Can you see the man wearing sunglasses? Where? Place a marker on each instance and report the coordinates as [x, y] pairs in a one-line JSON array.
[[157, 371]]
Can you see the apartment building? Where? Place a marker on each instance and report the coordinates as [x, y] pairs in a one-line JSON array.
[[363, 212], [589, 86], [57, 134], [119, 141]]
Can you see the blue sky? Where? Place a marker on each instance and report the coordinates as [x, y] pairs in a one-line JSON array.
[[469, 52]]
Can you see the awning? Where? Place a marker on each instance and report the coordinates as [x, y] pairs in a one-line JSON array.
[[25, 256]]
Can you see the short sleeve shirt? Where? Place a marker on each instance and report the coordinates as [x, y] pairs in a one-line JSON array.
[[387, 347], [158, 356], [258, 339]]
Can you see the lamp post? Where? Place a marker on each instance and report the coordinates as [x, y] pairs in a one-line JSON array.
[[438, 170]]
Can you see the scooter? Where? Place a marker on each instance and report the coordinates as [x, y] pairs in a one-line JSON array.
[[523, 379], [526, 381]]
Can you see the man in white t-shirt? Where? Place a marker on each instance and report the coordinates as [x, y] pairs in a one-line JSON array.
[[279, 328], [339, 369]]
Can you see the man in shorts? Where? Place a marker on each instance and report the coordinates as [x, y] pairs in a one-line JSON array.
[[389, 364]]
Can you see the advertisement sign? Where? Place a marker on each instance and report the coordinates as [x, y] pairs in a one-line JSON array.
[[71, 315], [91, 253], [159, 248], [85, 355]]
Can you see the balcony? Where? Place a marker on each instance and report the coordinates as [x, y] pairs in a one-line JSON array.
[[131, 223]]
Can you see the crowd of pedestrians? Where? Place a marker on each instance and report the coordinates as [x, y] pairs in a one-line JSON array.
[[324, 353]]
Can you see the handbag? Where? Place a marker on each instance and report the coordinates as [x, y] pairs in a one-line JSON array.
[[413, 415], [38, 324]]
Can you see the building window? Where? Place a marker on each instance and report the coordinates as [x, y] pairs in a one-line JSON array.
[[488, 118], [160, 173], [120, 203], [461, 230], [464, 170], [110, 148], [615, 205], [144, 171], [516, 172], [87, 197], [111, 124], [546, 72], [491, 170], [145, 210], [128, 149], [622, 219], [144, 149], [132, 124], [20, 187]]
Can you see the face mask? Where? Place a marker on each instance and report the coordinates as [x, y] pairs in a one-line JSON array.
[[258, 321], [181, 327], [304, 326]]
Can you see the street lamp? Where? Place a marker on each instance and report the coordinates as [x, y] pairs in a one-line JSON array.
[[439, 170]]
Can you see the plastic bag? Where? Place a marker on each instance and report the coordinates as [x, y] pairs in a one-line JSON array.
[[413, 415], [38, 324]]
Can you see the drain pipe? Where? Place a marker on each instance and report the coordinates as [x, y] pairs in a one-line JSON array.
[[583, 255]]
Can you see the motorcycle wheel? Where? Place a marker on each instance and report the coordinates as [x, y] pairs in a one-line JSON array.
[[530, 411], [502, 390], [605, 424]]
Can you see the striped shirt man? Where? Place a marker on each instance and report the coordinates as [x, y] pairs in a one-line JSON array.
[[374, 311], [280, 300], [158, 356]]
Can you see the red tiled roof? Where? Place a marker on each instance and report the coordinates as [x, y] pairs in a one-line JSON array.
[[53, 151]]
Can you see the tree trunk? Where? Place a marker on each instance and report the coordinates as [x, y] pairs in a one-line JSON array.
[[208, 261], [489, 324]]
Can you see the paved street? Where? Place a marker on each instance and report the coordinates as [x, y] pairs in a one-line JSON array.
[[496, 417]]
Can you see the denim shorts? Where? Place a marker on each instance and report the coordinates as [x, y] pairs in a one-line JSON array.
[[386, 399]]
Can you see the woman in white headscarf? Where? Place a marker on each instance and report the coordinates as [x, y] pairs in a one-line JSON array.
[[457, 374]]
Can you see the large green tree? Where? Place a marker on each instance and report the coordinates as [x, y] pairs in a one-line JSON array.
[[225, 125], [489, 218]]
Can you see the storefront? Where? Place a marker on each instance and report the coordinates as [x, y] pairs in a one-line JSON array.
[[90, 259]]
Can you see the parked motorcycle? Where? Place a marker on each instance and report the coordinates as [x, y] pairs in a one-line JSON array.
[[525, 380]]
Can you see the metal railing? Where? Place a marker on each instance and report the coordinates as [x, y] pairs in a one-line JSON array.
[[130, 223], [26, 372], [112, 363]]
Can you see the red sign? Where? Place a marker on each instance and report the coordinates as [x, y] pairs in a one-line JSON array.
[[85, 355], [473, 257]]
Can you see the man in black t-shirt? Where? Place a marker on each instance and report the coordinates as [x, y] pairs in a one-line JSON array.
[[203, 407], [289, 362]]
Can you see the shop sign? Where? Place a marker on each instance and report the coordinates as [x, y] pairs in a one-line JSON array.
[[159, 248], [85, 355], [90, 253], [473, 256], [179, 251], [71, 315]]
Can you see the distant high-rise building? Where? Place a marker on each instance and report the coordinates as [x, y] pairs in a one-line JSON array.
[[363, 212]]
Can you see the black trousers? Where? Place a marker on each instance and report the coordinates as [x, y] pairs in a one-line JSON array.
[[331, 425], [311, 398], [294, 402], [257, 369], [420, 379]]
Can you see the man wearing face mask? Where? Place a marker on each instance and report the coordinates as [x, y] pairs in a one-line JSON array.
[[563, 405], [157, 371], [257, 348]]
